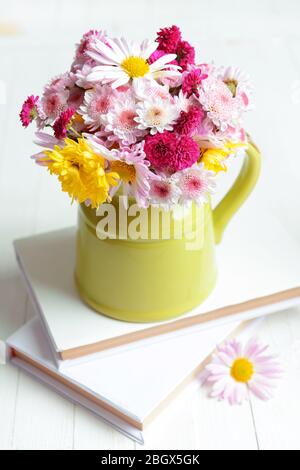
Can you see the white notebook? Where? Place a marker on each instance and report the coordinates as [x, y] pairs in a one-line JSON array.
[[258, 275], [108, 386]]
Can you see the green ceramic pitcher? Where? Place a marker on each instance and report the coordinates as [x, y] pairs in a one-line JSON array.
[[148, 280]]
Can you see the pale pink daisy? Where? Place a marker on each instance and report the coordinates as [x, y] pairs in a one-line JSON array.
[[217, 100], [60, 94], [120, 120], [48, 142], [82, 58], [238, 83], [131, 165], [236, 369], [132, 162], [87, 41], [164, 192], [171, 81], [97, 103], [60, 82], [81, 75], [54, 104], [207, 135], [157, 114], [76, 97], [149, 89], [183, 102], [196, 184], [118, 62]]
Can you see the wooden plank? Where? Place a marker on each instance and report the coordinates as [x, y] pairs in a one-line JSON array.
[[277, 421]]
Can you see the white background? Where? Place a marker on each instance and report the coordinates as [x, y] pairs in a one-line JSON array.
[[36, 42]]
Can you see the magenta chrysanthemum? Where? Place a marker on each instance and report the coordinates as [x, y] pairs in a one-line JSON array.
[[168, 152], [185, 54], [168, 39], [61, 124], [188, 121], [29, 110], [191, 82]]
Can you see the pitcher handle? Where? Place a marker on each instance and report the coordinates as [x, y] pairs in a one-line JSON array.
[[238, 193]]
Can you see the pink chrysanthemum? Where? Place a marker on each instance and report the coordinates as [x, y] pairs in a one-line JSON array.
[[222, 107], [164, 192], [185, 54], [169, 152], [53, 103], [168, 39], [235, 369], [97, 103], [60, 94], [62, 123], [29, 110], [195, 184], [87, 39], [189, 121], [76, 97], [191, 81], [120, 120], [85, 45]]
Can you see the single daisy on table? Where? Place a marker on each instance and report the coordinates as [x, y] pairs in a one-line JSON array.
[[156, 114], [118, 62], [236, 369]]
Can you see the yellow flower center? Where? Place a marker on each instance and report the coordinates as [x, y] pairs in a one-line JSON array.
[[135, 66], [242, 370], [126, 172]]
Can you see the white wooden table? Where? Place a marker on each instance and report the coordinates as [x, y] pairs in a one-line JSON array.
[[262, 37]]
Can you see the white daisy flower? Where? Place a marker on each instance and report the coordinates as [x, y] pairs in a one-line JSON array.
[[157, 114], [119, 62], [120, 120]]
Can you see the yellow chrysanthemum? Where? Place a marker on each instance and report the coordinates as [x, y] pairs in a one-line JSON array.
[[214, 158], [81, 171]]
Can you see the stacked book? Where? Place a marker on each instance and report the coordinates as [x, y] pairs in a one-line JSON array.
[[126, 373]]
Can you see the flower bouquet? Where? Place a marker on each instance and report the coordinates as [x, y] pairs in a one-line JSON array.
[[144, 121]]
